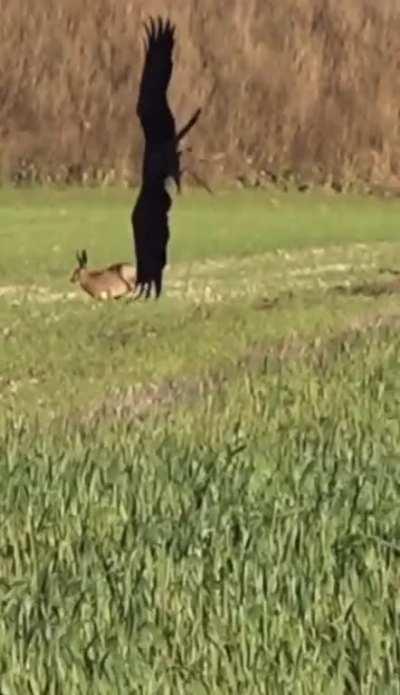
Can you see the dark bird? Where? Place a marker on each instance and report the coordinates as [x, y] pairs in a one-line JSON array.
[[162, 158]]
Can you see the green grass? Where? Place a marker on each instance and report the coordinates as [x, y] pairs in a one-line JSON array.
[[200, 495], [41, 229]]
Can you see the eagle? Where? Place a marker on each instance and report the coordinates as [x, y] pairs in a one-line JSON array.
[[161, 160]]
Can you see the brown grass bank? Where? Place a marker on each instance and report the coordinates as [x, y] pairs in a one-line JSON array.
[[311, 86]]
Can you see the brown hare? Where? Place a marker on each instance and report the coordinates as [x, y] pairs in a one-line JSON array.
[[113, 282]]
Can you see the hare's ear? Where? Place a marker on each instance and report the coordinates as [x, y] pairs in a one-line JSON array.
[[78, 257], [84, 258]]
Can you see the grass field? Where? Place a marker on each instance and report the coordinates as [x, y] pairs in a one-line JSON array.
[[201, 495]]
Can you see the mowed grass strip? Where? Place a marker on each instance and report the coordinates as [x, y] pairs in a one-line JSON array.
[[41, 228]]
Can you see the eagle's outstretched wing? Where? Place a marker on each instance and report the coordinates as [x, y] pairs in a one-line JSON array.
[[152, 108]]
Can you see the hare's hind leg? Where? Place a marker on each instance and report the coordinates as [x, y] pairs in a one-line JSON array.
[[130, 286]]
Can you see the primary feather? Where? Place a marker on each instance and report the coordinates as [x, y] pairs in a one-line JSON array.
[[152, 108]]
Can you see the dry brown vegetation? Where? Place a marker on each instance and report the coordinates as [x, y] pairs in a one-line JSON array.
[[310, 87]]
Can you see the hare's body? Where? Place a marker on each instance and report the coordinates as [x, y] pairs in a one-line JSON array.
[[113, 282]]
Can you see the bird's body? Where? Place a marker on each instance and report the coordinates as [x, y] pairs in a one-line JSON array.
[[151, 237]]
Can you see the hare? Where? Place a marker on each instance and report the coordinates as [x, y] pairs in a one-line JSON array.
[[113, 282]]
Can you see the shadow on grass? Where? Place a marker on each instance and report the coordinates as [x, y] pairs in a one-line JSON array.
[[372, 289], [268, 303]]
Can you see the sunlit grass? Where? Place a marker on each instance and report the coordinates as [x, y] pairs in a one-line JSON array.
[[40, 229], [200, 495]]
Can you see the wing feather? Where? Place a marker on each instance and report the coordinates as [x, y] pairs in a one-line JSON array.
[[152, 107]]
